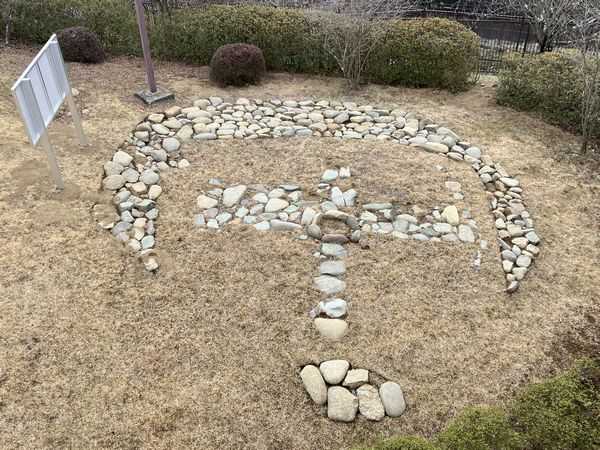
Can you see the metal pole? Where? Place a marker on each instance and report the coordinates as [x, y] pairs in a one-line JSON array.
[[83, 141], [526, 37], [52, 162], [139, 11]]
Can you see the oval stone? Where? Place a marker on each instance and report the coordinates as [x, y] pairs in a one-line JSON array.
[[392, 399], [314, 384]]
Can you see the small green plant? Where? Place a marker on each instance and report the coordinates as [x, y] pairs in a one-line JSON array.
[[480, 429]]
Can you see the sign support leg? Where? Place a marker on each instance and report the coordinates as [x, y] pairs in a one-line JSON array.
[[83, 140], [52, 162]]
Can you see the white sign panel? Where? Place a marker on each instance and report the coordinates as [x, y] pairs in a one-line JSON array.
[[42, 89], [39, 94]]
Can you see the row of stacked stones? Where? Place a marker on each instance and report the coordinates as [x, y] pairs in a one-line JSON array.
[[133, 175], [284, 208], [156, 141], [344, 392]]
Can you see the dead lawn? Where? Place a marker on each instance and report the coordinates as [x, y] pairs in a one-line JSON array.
[[96, 353]]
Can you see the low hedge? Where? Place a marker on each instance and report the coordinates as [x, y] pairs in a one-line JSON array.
[[549, 84], [286, 36], [114, 21], [426, 53], [419, 52], [559, 414]]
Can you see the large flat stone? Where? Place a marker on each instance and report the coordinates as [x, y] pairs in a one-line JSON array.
[[335, 268], [329, 285], [341, 404], [232, 195], [332, 329], [369, 403]]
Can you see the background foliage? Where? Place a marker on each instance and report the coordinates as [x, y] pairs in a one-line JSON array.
[[421, 52], [549, 84]]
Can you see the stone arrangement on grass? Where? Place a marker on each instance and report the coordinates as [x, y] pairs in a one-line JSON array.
[[133, 174], [332, 218], [345, 392]]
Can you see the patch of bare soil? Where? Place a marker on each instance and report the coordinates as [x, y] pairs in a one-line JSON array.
[[97, 353]]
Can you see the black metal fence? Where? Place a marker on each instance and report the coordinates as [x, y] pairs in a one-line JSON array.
[[499, 34]]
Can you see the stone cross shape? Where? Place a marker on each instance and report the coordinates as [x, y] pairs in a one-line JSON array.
[[330, 223]]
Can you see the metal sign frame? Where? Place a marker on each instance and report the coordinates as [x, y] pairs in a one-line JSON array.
[[39, 93]]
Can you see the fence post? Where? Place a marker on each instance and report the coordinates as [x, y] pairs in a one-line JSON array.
[[519, 35], [526, 37]]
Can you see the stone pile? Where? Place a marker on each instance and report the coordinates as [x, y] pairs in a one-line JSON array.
[[154, 147], [345, 392]]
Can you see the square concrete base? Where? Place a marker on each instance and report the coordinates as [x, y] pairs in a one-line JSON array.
[[153, 97]]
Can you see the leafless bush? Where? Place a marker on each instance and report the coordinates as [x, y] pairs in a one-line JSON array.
[[352, 34], [586, 27], [6, 14], [550, 19]]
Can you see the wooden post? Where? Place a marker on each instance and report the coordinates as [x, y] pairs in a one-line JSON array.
[[139, 11]]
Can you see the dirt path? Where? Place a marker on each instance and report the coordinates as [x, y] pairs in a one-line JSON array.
[[97, 353]]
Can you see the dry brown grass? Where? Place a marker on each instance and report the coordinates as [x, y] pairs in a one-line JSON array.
[[96, 353]]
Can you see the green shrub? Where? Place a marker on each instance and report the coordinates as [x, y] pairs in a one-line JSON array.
[[563, 412], [79, 44], [426, 53], [237, 65], [286, 36], [113, 21], [403, 443], [549, 84], [480, 429]]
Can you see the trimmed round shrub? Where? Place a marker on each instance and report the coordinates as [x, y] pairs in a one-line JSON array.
[[237, 65], [435, 52], [78, 44]]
